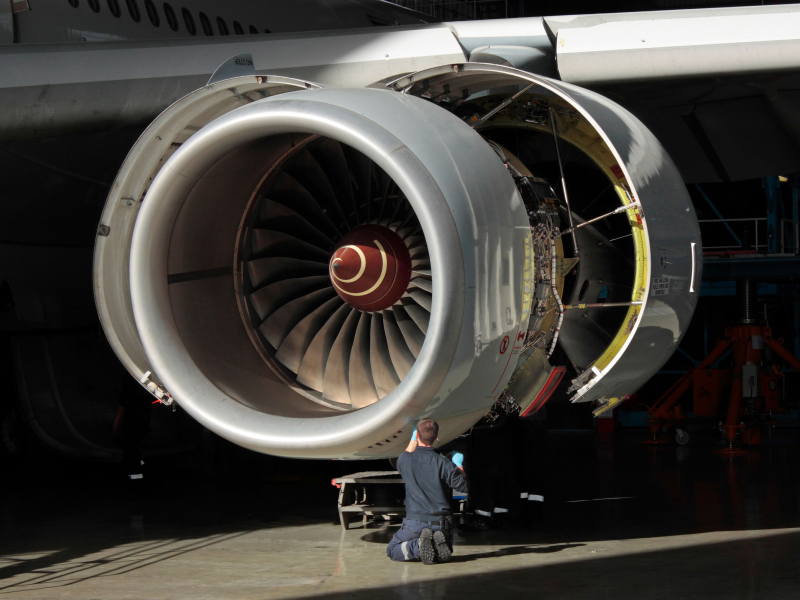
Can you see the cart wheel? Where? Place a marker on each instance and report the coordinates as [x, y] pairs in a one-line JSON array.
[[681, 437]]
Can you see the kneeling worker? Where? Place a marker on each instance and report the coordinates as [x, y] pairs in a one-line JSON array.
[[427, 529]]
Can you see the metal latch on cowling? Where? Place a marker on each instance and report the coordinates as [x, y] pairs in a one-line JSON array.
[[161, 395]]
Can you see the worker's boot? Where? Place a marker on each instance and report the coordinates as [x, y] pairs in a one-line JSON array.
[[443, 552], [426, 551]]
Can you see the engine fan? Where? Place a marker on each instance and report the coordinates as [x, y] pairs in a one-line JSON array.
[[337, 286]]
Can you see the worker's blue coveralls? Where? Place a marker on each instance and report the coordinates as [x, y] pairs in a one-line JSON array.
[[429, 477]]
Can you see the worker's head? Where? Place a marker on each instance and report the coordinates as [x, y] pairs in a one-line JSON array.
[[427, 431]]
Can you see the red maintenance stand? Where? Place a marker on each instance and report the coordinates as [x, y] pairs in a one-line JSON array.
[[753, 395]]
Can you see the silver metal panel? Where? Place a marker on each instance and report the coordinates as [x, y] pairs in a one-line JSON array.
[[605, 48], [528, 32], [130, 83], [112, 252]]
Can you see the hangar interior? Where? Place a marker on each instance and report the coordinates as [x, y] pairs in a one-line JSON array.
[[687, 487]]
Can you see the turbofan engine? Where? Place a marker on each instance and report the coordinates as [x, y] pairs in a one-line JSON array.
[[308, 271]]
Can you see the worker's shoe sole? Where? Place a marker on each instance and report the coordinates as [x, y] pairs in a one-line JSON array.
[[426, 552], [443, 553]]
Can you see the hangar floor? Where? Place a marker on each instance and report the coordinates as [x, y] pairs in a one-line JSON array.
[[623, 522]]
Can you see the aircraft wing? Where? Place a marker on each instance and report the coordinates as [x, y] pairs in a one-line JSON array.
[[719, 87], [612, 48], [56, 89]]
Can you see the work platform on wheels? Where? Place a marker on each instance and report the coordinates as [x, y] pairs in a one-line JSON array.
[[370, 495]]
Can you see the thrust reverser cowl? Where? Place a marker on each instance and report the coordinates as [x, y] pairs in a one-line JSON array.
[[187, 312], [667, 249]]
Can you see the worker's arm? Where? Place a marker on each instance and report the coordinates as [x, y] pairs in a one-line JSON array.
[[412, 445], [455, 477], [458, 460]]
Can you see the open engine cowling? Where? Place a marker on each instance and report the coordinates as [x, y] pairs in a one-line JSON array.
[[309, 271], [237, 242]]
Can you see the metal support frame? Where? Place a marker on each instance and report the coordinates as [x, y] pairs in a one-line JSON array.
[[601, 305], [719, 214], [563, 181], [616, 211], [772, 189], [501, 106]]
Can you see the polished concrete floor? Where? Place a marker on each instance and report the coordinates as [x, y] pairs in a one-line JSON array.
[[623, 522]]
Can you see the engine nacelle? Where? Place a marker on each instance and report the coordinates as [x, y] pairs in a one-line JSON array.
[[310, 273]]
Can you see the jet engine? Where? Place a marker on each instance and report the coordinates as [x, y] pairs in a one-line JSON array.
[[308, 270]]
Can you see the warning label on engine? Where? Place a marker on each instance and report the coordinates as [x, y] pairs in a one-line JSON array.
[[660, 286]]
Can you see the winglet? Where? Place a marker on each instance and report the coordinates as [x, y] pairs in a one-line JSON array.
[[240, 65]]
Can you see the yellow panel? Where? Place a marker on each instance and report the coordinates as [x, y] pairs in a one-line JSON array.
[[580, 133]]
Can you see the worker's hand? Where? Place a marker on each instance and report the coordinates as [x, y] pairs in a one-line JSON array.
[[412, 445], [458, 459]]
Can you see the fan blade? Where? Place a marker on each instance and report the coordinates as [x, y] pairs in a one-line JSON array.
[[362, 387], [361, 178], [383, 373], [402, 358], [387, 186], [413, 241], [420, 263], [271, 297], [308, 173], [423, 284], [331, 158], [282, 321], [423, 272], [412, 231], [275, 243], [294, 347], [336, 384], [264, 271], [278, 217], [289, 192], [419, 315], [411, 332], [422, 298], [398, 209], [312, 369]]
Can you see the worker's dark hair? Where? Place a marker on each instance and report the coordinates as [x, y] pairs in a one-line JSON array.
[[428, 431]]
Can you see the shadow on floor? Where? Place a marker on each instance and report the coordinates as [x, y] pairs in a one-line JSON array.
[[761, 566], [513, 551]]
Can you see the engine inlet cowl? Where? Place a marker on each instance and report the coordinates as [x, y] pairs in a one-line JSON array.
[[314, 271]]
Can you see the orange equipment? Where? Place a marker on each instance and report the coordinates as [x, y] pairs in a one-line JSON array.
[[747, 342]]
